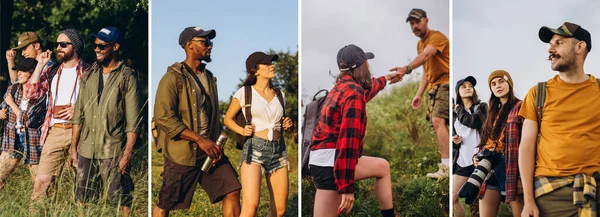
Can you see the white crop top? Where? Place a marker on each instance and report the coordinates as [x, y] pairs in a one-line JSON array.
[[265, 115]]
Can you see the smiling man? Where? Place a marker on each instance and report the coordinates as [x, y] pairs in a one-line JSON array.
[[102, 150], [30, 47], [560, 168]]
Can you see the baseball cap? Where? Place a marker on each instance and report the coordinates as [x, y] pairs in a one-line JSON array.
[[25, 39], [567, 29], [108, 34], [259, 58], [416, 13], [26, 65], [469, 79], [352, 56], [193, 31]]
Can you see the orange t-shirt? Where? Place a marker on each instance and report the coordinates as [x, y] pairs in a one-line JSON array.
[[570, 129], [438, 66]]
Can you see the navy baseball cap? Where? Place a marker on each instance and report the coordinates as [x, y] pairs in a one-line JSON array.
[[353, 57], [469, 79], [108, 34], [193, 31]]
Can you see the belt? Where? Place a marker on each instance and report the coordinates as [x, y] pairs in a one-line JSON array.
[[63, 125]]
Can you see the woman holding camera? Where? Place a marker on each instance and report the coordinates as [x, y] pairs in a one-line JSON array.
[[500, 136], [469, 115]]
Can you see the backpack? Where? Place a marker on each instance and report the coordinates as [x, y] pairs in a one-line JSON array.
[[309, 122], [179, 80], [242, 120], [540, 99]]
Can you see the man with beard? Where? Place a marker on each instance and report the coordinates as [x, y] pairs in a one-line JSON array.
[[434, 56], [109, 92], [562, 181], [187, 116], [61, 86]]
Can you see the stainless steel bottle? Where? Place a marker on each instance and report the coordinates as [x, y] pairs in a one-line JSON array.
[[220, 142]]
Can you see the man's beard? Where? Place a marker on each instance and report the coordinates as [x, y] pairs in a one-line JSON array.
[[65, 57], [206, 59], [106, 60]]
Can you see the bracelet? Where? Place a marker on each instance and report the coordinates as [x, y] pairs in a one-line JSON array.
[[408, 69]]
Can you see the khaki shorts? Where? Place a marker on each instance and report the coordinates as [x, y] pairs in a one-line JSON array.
[[438, 102], [55, 151], [559, 203]]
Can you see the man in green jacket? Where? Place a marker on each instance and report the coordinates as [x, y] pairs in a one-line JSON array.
[[105, 124], [186, 112]]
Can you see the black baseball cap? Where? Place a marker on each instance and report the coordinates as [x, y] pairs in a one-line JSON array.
[[461, 81], [193, 31], [26, 65], [259, 57], [352, 56], [569, 30]]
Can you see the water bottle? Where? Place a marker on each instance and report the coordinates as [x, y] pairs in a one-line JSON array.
[[208, 162]]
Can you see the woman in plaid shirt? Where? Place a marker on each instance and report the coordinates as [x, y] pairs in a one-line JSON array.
[[501, 134], [21, 136], [336, 159]]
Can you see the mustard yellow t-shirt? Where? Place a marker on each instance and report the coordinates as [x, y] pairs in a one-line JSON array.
[[438, 66], [570, 129]]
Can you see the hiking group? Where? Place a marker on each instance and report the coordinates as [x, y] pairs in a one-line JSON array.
[[537, 155], [69, 111]]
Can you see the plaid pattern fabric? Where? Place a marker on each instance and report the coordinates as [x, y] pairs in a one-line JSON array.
[[342, 126], [37, 90], [31, 119], [508, 144], [514, 123], [584, 190]]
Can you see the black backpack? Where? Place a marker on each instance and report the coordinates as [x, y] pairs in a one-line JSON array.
[[310, 120], [242, 120]]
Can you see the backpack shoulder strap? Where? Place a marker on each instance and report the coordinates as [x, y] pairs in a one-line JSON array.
[[248, 104], [124, 85], [280, 98], [540, 99]]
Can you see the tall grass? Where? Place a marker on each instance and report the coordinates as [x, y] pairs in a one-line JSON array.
[[402, 136], [14, 198]]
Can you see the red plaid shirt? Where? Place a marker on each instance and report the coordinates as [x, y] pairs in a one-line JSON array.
[[37, 90], [342, 126]]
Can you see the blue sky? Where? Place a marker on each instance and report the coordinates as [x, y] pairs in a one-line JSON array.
[[242, 27]]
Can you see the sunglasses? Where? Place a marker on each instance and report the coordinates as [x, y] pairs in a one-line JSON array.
[[102, 46], [207, 43], [62, 44]]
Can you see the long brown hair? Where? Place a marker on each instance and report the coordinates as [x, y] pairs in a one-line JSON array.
[[497, 109], [361, 74]]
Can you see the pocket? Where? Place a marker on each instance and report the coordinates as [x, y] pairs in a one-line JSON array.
[[257, 145], [171, 187]]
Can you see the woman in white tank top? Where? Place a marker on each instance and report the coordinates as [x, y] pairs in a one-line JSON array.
[[265, 151]]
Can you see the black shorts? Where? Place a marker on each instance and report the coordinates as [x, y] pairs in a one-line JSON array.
[[179, 183], [323, 177], [463, 171]]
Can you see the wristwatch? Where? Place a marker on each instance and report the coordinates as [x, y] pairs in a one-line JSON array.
[[408, 69]]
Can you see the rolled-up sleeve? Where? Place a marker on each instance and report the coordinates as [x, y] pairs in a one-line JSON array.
[[166, 107]]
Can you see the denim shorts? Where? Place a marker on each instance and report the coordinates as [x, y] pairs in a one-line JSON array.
[[497, 181], [270, 155]]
